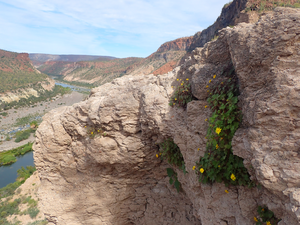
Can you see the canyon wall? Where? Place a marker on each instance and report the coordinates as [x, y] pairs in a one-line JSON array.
[[114, 177]]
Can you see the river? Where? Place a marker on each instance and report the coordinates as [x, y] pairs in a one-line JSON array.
[[8, 174]]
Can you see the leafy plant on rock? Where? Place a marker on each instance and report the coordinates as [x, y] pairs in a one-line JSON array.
[[182, 94], [93, 131], [266, 217], [219, 164], [171, 152]]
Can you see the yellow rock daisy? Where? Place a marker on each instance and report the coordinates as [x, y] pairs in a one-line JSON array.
[[198, 149], [227, 191], [233, 177], [205, 106], [209, 81], [217, 146], [177, 79], [214, 76], [187, 78], [201, 170], [268, 223], [194, 167], [255, 219], [218, 130], [156, 155]]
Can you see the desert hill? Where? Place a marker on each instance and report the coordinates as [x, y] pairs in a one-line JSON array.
[[103, 70], [16, 71]]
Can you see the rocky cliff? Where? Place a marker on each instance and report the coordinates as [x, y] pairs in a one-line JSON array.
[[19, 78], [114, 177]]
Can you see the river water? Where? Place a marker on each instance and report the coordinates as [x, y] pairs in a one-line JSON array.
[[8, 174]]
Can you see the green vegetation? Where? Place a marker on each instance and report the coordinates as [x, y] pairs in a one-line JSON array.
[[23, 135], [7, 209], [9, 157], [23, 174], [4, 114], [171, 152], [219, 164], [267, 5], [182, 94], [31, 118], [38, 222], [266, 217], [43, 96]]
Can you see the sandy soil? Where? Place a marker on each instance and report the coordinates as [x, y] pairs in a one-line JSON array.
[[7, 123]]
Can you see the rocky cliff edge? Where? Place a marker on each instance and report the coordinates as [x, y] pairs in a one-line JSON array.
[[116, 178]]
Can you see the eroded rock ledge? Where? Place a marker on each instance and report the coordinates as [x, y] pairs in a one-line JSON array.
[[117, 179]]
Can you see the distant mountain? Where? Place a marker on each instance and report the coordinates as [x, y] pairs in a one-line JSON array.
[[16, 71], [104, 69], [37, 57]]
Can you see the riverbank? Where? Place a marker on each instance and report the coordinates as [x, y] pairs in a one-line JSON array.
[[8, 123]]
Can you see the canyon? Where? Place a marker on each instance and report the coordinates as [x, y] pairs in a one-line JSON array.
[[115, 176]]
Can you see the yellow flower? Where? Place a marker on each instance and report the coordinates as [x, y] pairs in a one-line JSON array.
[[173, 103], [218, 130], [201, 170], [209, 81], [194, 167], [205, 106], [227, 191], [92, 132], [175, 99], [217, 146], [198, 149], [156, 155], [181, 84], [214, 76], [187, 78], [84, 126], [255, 219], [268, 223], [207, 86], [207, 90], [221, 82], [177, 79], [219, 166], [205, 119], [233, 177], [98, 131]]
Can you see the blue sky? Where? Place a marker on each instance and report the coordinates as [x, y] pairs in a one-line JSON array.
[[120, 28]]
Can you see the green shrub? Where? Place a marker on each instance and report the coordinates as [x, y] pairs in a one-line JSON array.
[[170, 151], [22, 135], [38, 222], [266, 216], [32, 212], [182, 94], [218, 163], [173, 179]]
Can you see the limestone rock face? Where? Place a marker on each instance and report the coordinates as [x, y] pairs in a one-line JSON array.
[[116, 178]]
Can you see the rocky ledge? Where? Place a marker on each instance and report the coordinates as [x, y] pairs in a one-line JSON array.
[[115, 178]]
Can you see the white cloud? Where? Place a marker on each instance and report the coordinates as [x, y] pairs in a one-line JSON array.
[[92, 27]]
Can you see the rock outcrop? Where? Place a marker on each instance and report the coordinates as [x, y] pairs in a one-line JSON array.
[[180, 44], [116, 178]]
